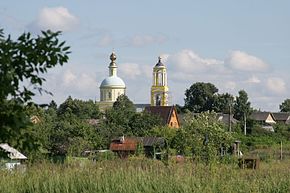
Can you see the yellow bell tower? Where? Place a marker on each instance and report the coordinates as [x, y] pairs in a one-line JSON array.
[[159, 89]]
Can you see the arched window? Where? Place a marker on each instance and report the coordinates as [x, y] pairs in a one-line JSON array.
[[158, 100], [160, 77]]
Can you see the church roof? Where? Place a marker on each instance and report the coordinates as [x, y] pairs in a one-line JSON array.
[[159, 64], [113, 81]]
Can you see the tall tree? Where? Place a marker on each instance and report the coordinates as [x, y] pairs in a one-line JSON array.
[[242, 106], [223, 103], [285, 106], [118, 117], [22, 64], [200, 97]]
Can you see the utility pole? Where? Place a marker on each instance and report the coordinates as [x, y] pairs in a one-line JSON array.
[[281, 150], [245, 124], [230, 112]]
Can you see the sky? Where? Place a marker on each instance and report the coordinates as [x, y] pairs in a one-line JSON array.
[[233, 44]]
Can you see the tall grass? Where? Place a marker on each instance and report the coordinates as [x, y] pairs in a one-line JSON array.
[[145, 176]]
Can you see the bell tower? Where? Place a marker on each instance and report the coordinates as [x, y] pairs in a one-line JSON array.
[[159, 89]]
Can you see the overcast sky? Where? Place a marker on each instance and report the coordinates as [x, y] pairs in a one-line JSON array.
[[233, 44]]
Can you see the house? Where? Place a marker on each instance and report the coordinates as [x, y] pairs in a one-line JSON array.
[[266, 119], [11, 156], [35, 119], [168, 115], [263, 117], [282, 117], [125, 146], [227, 118]]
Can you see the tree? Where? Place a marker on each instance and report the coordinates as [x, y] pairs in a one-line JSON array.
[[117, 118], [285, 106], [200, 97], [82, 109], [125, 104], [242, 107], [23, 62], [223, 103], [142, 123]]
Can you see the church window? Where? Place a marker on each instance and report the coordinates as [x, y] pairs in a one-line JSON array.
[[109, 95]]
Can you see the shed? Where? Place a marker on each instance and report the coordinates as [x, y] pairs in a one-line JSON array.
[[152, 145], [124, 146]]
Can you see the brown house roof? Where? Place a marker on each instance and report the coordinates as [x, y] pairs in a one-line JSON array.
[[260, 116], [152, 141], [281, 116], [129, 144], [226, 117], [164, 112]]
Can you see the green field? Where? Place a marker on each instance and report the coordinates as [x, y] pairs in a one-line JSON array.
[[143, 175]]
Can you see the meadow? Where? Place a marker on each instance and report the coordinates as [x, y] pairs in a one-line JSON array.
[[143, 175]]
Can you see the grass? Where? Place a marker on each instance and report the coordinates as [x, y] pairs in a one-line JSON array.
[[144, 175]]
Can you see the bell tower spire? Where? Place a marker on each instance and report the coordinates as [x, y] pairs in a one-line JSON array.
[[113, 66], [159, 89]]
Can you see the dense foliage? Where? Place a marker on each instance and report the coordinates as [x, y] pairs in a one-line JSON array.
[[200, 97], [76, 126], [202, 136], [22, 64]]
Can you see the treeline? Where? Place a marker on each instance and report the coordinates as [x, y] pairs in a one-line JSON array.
[[75, 126]]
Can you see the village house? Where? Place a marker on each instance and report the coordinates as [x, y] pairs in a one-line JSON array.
[[10, 156], [282, 117], [227, 119], [265, 119], [168, 115]]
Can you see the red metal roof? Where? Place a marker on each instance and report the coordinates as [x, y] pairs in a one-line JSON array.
[[127, 145]]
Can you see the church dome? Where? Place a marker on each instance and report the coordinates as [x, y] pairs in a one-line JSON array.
[[113, 81]]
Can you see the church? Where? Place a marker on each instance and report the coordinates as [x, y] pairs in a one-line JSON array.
[[113, 86]]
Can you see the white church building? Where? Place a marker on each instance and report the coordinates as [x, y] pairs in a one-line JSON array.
[[112, 86]]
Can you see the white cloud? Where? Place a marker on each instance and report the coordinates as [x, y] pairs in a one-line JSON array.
[[276, 85], [130, 70], [105, 40], [188, 61], [78, 81], [68, 77], [56, 18], [231, 85], [144, 40], [253, 80], [239, 60]]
